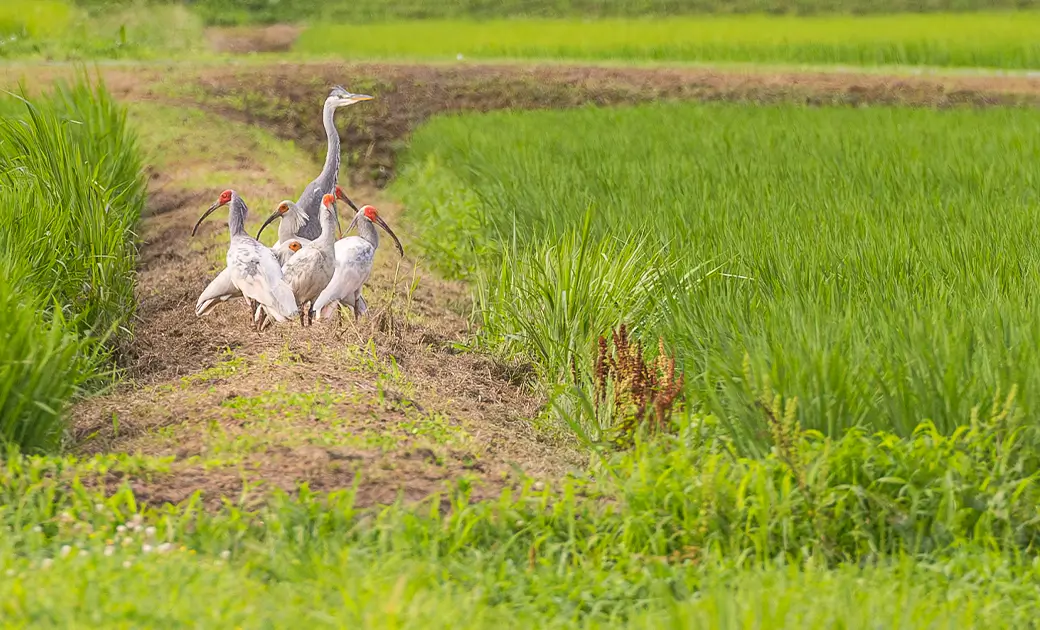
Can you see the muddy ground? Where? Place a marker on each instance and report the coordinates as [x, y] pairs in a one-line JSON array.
[[237, 413]]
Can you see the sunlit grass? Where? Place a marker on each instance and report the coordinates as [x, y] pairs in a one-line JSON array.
[[854, 532], [998, 40]]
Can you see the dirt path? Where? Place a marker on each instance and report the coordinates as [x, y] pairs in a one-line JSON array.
[[214, 406]]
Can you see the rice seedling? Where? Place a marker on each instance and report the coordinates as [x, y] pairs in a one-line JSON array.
[[73, 191], [875, 264], [997, 40]]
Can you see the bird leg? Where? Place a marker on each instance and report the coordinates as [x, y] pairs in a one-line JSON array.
[[252, 312], [357, 309]]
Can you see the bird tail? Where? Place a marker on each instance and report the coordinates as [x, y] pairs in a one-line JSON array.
[[284, 306]]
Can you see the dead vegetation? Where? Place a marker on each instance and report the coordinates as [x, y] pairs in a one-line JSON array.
[[639, 395]]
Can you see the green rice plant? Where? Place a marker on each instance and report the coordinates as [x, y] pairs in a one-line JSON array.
[[875, 264], [367, 11], [72, 189], [997, 40]]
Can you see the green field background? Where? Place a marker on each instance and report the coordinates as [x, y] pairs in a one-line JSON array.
[[999, 40]]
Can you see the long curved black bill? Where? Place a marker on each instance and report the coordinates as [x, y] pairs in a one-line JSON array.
[[203, 217], [267, 222], [382, 224], [350, 203]]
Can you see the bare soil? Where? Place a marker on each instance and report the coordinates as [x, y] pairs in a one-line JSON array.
[[250, 39], [284, 97], [239, 413]]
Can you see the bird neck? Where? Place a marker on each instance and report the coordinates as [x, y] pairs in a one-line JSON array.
[[237, 216], [327, 238], [367, 230], [330, 172], [292, 222]]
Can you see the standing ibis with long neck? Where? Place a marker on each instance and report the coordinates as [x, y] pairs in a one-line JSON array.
[[310, 202], [355, 256], [252, 269], [310, 269]]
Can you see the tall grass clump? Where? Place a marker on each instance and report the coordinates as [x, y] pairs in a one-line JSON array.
[[875, 264], [997, 40], [72, 189]]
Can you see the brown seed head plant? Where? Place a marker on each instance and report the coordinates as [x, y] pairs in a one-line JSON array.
[[634, 392]]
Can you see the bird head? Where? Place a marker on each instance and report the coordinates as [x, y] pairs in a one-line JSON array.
[[295, 246], [328, 201], [340, 97], [223, 200], [371, 214], [280, 211]]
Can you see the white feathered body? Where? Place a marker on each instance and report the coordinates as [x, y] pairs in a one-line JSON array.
[[354, 259], [254, 271]]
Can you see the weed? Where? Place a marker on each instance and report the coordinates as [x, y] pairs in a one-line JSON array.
[[642, 393]]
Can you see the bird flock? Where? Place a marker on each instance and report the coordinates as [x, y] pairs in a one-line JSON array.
[[310, 272]]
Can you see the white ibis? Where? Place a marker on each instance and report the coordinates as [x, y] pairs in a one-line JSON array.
[[310, 269], [310, 201], [354, 258], [252, 269], [293, 219]]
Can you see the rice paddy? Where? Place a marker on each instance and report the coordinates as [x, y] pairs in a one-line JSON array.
[[876, 264], [992, 40]]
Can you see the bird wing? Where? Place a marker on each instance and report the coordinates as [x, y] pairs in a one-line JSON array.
[[257, 274], [220, 289], [310, 203]]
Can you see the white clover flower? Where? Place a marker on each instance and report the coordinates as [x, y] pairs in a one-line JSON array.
[[65, 550]]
